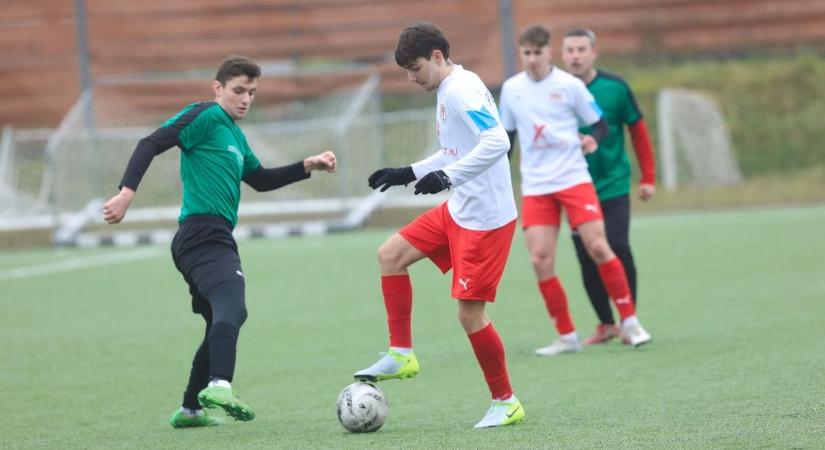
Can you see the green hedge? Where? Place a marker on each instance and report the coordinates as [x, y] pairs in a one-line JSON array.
[[774, 106]]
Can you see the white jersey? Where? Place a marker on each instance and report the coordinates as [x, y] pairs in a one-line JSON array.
[[473, 153], [547, 115]]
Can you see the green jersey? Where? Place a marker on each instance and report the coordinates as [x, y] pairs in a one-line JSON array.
[[214, 159], [609, 165]]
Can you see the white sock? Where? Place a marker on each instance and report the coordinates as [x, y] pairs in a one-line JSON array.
[[220, 382], [508, 399], [402, 350], [570, 337], [631, 321], [189, 412]]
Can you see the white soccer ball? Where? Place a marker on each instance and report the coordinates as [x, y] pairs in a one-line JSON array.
[[362, 408]]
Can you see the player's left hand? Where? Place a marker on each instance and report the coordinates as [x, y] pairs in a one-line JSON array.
[[646, 191], [433, 183], [589, 144], [325, 161]]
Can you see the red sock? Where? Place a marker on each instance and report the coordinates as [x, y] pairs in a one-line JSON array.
[[556, 302], [489, 352], [615, 282], [398, 302]]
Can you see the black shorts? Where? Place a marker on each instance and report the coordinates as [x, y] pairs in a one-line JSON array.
[[206, 254]]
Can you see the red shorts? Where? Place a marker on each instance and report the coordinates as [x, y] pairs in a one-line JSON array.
[[476, 257], [580, 202]]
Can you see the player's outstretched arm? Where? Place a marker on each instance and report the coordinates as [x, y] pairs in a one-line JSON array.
[[114, 210], [264, 180]]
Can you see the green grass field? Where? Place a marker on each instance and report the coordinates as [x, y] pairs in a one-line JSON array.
[[98, 356]]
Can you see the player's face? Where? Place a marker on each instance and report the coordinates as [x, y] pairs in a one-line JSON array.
[[536, 60], [578, 55], [236, 96], [427, 73]]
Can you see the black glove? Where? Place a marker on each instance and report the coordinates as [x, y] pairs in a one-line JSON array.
[[391, 176], [433, 183]]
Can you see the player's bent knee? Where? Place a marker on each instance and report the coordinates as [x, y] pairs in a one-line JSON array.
[[600, 251], [391, 257]]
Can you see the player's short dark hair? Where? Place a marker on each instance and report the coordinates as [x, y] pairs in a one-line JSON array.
[[236, 65], [418, 41], [536, 35], [582, 32]]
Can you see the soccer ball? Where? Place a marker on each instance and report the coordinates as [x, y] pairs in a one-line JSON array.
[[362, 408]]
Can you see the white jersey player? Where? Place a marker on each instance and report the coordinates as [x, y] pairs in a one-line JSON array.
[[546, 106], [470, 234]]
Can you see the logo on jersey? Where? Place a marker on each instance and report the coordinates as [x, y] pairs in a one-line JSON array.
[[464, 282], [442, 114], [538, 132], [556, 96], [238, 154], [591, 207], [449, 151], [543, 138]]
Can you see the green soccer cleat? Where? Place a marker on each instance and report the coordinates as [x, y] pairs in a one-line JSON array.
[[392, 365], [181, 420], [221, 397], [502, 413]]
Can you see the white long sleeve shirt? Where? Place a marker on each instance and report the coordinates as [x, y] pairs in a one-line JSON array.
[[473, 153]]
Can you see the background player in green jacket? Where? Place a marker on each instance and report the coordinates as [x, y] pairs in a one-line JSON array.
[[610, 169], [215, 158]]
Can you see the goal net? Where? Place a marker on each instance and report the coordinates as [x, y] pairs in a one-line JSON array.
[[69, 172], [694, 142]]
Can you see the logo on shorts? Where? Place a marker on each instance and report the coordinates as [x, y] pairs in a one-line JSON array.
[[464, 282], [239, 273], [591, 207]]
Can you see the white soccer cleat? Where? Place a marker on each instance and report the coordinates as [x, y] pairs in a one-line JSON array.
[[502, 412], [560, 346], [634, 334], [391, 365]]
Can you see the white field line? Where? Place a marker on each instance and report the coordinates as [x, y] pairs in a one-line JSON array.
[[78, 263]]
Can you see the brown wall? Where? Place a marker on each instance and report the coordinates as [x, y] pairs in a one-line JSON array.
[[39, 67]]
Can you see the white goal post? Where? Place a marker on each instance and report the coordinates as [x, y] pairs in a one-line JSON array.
[[694, 142]]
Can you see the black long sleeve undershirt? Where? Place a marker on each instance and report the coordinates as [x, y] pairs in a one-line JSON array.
[[147, 148], [599, 130], [263, 180], [511, 135]]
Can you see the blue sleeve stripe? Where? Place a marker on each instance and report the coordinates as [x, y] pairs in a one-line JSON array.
[[482, 118], [596, 108]]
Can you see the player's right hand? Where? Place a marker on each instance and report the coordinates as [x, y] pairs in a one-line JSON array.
[[114, 210], [391, 176], [646, 191], [589, 144]]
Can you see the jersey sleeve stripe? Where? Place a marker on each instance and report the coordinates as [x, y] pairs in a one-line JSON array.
[[482, 118], [180, 122]]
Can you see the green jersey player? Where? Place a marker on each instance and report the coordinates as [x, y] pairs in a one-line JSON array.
[[610, 169], [215, 158]]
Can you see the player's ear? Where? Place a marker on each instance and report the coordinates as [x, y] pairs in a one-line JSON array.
[[436, 56], [216, 87]]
